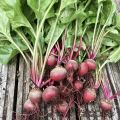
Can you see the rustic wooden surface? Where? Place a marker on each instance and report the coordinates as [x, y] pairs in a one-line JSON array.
[[15, 85]]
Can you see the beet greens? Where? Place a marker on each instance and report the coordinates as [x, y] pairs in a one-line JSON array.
[[68, 42]]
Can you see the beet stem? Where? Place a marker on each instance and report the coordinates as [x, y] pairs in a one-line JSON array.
[[73, 48], [45, 83], [80, 46]]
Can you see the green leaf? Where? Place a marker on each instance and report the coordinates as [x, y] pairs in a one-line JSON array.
[[118, 20], [4, 23], [108, 12], [114, 37], [79, 14], [58, 31], [66, 3], [69, 37], [109, 42], [8, 50], [14, 13], [115, 55], [40, 6]]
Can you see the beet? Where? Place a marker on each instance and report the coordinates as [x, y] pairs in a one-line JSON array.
[[51, 61], [105, 105], [72, 65], [83, 69], [62, 107], [89, 95], [50, 94], [58, 73], [29, 106], [91, 64], [35, 96], [78, 85]]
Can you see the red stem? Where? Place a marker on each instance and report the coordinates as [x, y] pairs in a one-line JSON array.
[[46, 82], [63, 46], [73, 48], [80, 46], [69, 106]]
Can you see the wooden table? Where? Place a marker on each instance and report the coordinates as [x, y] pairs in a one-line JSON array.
[[15, 85]]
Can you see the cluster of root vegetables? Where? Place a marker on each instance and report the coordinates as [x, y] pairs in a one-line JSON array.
[[66, 82]]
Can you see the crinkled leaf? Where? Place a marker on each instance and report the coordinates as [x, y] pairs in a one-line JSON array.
[[69, 37], [13, 10], [4, 23], [8, 50], [40, 7], [108, 11], [115, 55], [118, 20], [109, 42], [65, 3], [114, 37], [79, 14], [58, 31]]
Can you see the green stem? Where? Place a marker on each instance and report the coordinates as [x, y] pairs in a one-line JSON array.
[[98, 13], [48, 48], [100, 42], [26, 41], [74, 42], [88, 2], [11, 40], [38, 36], [100, 37], [106, 50]]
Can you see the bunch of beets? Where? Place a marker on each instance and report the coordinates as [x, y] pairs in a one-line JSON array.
[[66, 82]]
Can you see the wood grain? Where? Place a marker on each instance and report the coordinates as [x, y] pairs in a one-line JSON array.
[[3, 83], [10, 89]]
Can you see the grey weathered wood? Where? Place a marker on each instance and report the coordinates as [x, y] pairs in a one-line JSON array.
[[54, 114], [42, 111], [72, 113], [106, 78], [82, 114], [20, 89], [113, 73], [27, 82], [49, 111], [10, 89], [3, 81]]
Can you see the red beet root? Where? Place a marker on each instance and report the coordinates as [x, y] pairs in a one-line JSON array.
[[105, 105], [35, 96], [72, 65], [91, 64], [89, 95], [58, 73], [29, 106], [78, 85], [50, 94], [51, 61], [62, 107], [83, 69]]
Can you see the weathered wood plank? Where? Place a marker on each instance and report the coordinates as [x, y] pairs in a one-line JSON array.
[[72, 113], [54, 114], [49, 111], [20, 89], [107, 116], [3, 82], [27, 82], [10, 89], [113, 75], [83, 113]]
